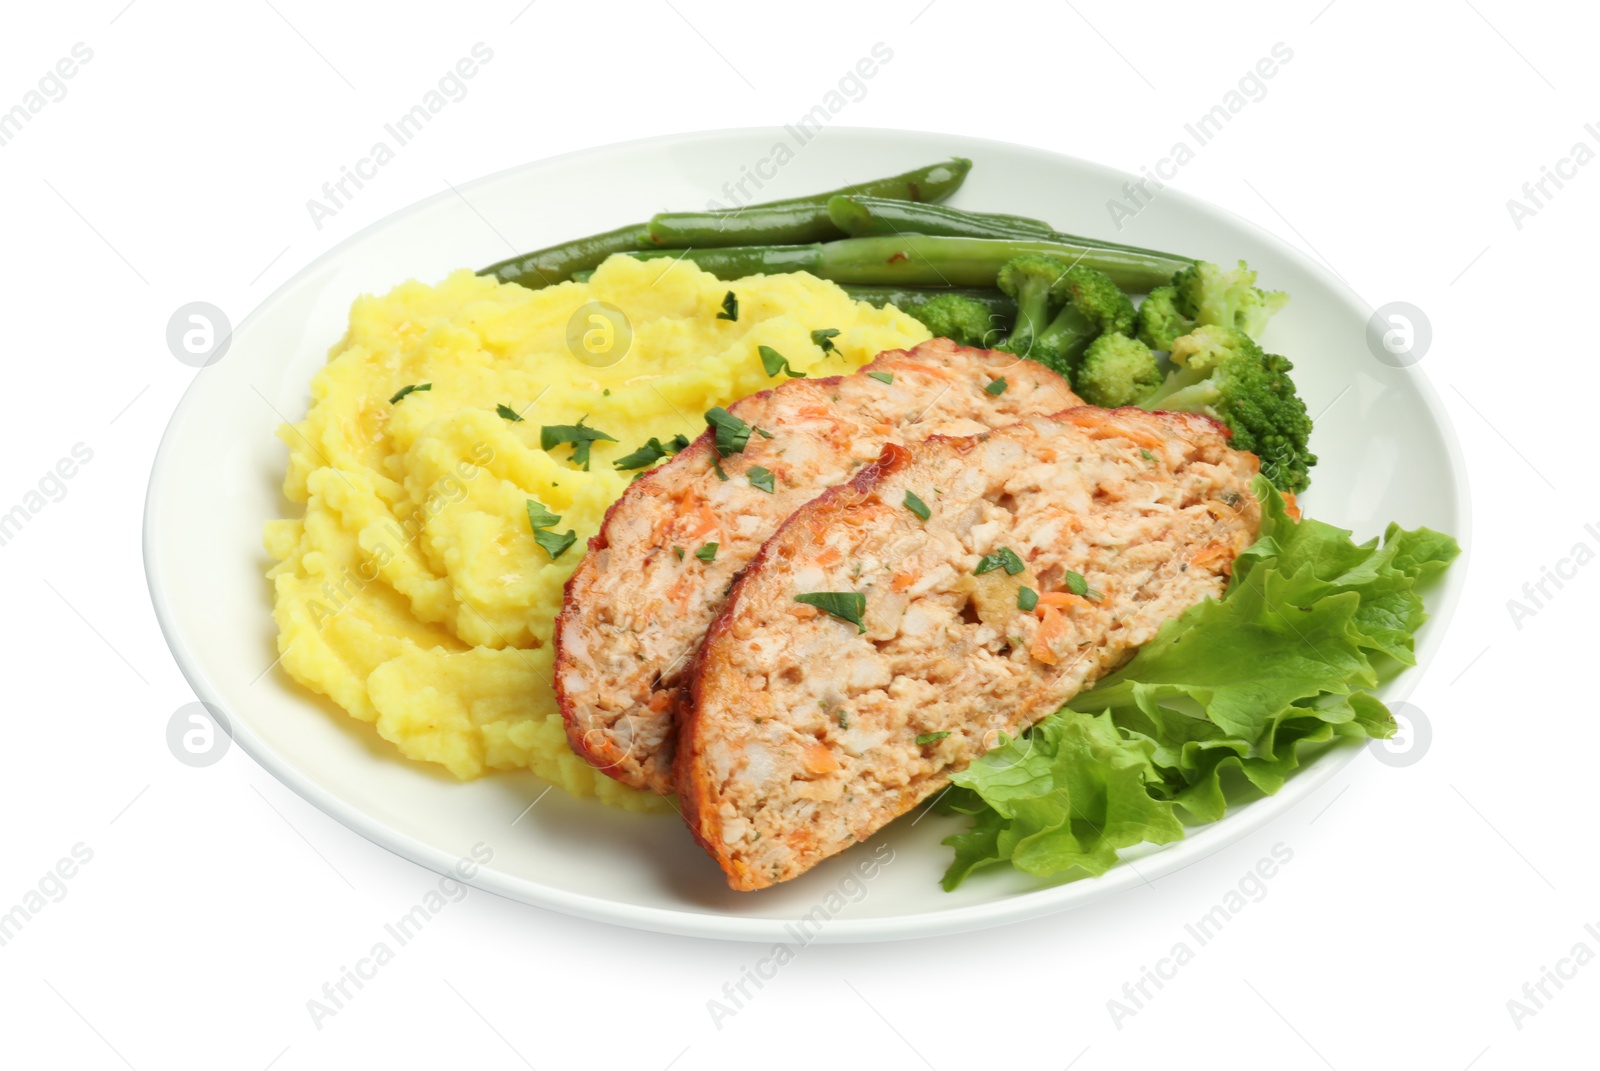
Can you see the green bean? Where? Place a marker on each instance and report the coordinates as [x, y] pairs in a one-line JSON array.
[[547, 267], [737, 261], [925, 260], [870, 217], [785, 224], [800, 219], [936, 182], [797, 219], [906, 298], [865, 217]]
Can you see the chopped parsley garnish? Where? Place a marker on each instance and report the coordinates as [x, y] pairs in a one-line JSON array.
[[555, 544], [775, 362], [916, 505], [509, 413], [848, 606], [651, 452], [1027, 598], [679, 552], [1080, 587], [730, 307], [716, 467], [823, 337], [761, 478], [931, 738], [997, 387], [541, 520], [1003, 558], [881, 377], [1147, 455], [843, 717], [407, 389], [581, 438], [732, 433], [707, 552], [539, 515]]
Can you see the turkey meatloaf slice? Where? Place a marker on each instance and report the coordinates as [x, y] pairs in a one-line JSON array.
[[660, 567], [882, 640]]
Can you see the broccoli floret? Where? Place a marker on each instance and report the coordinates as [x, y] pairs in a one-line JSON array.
[[1030, 280], [1202, 349], [1090, 306], [1224, 297], [1116, 370], [1256, 307], [956, 317], [1222, 373], [1205, 294], [1159, 320]]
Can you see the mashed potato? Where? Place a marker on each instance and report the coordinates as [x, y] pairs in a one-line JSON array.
[[412, 592]]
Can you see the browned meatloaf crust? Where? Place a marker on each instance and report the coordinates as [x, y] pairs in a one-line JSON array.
[[806, 734], [639, 603]]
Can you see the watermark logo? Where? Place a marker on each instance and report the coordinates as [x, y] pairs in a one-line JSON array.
[[198, 735], [1537, 194], [51, 888], [451, 88], [1399, 334], [198, 334], [1412, 737], [1537, 994], [337, 994], [850, 88], [1537, 594], [850, 889], [598, 742], [49, 488], [599, 334], [1251, 88], [1251, 888], [50, 89]]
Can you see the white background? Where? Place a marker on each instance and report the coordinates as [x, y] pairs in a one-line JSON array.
[[1419, 900]]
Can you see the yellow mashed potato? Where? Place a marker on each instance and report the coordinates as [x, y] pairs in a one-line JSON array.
[[411, 592]]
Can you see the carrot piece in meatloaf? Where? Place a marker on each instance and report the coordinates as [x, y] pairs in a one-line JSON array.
[[659, 569], [874, 647]]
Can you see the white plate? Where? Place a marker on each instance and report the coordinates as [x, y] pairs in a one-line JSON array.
[[1387, 451]]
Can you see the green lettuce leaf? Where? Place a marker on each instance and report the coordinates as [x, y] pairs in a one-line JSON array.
[[1070, 793], [1282, 664]]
